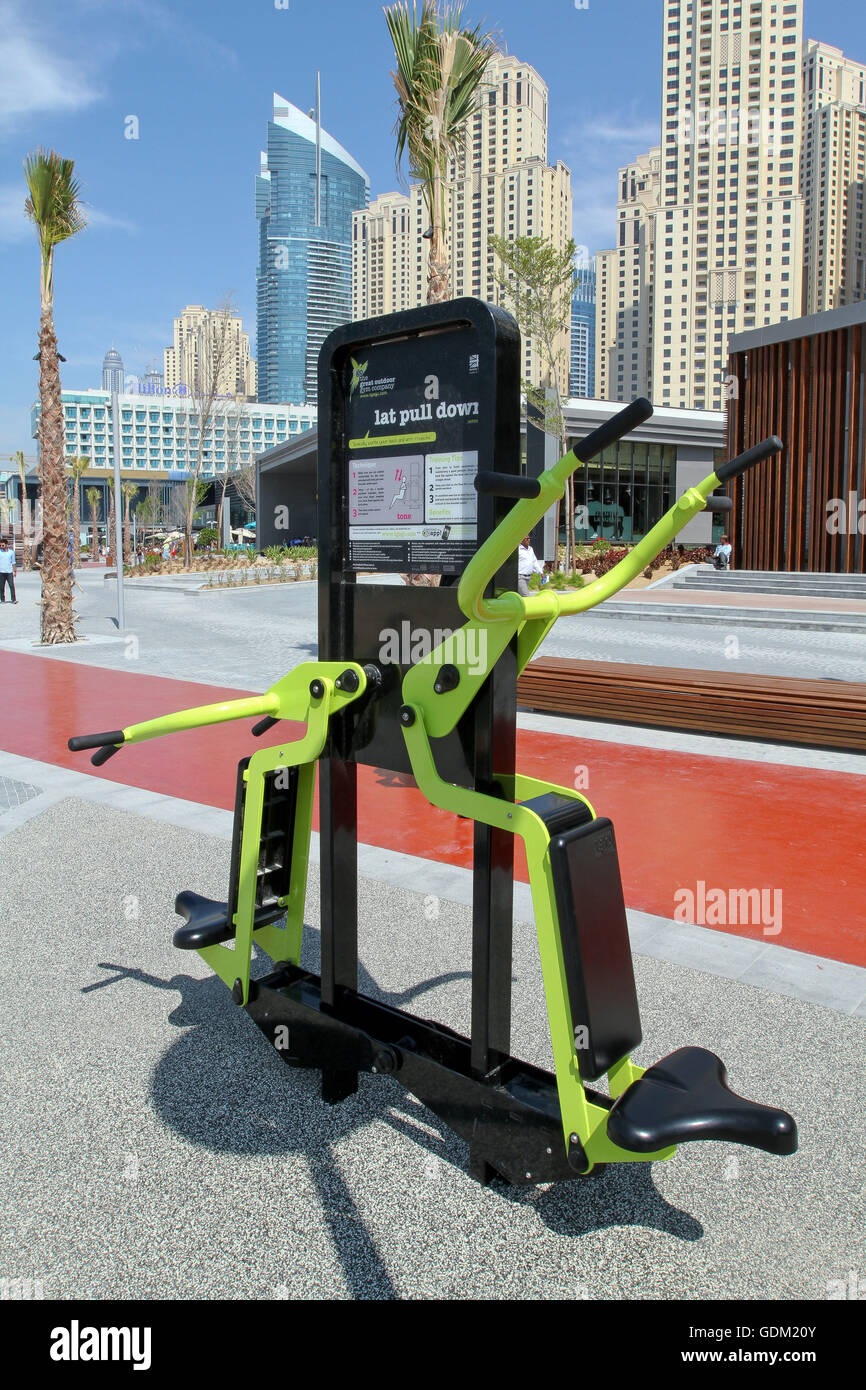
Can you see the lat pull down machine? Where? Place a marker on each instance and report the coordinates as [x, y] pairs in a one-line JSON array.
[[414, 411]]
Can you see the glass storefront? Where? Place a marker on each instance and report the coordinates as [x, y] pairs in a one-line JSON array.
[[623, 492]]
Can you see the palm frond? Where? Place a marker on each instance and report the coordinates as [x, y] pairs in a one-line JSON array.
[[53, 204]]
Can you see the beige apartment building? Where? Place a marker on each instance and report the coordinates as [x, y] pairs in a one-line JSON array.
[[833, 171], [200, 337], [729, 223], [624, 285], [501, 183]]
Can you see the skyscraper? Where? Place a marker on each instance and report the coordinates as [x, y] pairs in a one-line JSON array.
[[499, 183], [624, 314], [306, 191], [581, 378], [833, 164], [112, 371], [728, 226], [202, 338]]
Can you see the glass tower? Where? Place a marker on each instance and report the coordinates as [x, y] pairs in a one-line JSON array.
[[306, 192], [581, 377]]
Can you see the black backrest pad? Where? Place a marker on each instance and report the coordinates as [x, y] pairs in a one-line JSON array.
[[595, 945]]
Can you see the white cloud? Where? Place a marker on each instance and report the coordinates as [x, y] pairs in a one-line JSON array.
[[16, 226], [106, 221], [34, 79], [641, 134], [595, 148]]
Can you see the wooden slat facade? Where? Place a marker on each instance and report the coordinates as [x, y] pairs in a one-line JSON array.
[[775, 709], [811, 391]]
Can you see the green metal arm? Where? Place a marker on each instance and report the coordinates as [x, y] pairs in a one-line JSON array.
[[551, 487], [527, 513], [293, 697]]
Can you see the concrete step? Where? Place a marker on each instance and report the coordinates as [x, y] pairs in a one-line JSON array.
[[817, 590], [756, 582], [726, 616]]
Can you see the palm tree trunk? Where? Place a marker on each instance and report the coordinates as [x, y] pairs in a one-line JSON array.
[[25, 526], [76, 523], [438, 277], [110, 543], [58, 623]]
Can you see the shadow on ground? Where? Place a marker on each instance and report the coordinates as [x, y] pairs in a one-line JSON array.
[[223, 1087]]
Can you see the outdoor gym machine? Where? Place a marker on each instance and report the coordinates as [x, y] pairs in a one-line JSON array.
[[419, 471]]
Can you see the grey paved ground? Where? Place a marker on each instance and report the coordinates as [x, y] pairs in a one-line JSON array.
[[14, 793], [154, 1145], [248, 638]]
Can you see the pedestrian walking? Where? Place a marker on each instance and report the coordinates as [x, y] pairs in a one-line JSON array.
[[527, 565], [7, 570]]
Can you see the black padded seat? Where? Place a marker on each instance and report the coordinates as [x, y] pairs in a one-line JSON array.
[[208, 921], [685, 1096]]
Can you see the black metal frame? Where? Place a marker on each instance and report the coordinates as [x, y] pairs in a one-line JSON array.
[[484, 741]]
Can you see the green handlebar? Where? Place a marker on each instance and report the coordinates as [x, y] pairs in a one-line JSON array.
[[250, 708], [528, 512]]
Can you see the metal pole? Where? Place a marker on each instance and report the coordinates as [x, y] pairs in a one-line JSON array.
[[318, 149], [118, 517]]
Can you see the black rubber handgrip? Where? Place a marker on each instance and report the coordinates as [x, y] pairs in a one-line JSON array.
[[758, 452], [263, 725], [507, 484], [613, 429], [719, 504], [104, 754], [83, 741]]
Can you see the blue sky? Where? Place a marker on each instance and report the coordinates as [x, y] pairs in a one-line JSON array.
[[171, 213]]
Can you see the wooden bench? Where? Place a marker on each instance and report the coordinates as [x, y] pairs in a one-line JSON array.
[[778, 709]]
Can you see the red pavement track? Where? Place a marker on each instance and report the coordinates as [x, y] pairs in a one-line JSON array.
[[679, 817]]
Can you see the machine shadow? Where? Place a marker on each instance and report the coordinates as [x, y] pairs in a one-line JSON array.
[[223, 1087]]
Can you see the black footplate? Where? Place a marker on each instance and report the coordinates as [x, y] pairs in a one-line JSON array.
[[685, 1096], [209, 921]]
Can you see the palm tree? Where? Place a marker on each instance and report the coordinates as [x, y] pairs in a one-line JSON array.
[[129, 490], [79, 466], [18, 456], [53, 204], [111, 537], [92, 495], [440, 68]]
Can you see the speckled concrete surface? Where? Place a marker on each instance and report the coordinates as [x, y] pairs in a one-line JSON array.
[[154, 1145]]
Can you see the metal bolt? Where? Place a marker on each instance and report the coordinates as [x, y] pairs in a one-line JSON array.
[[573, 1139], [529, 1175], [550, 1151]]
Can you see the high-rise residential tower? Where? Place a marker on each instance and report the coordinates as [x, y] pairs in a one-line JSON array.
[[499, 183], [581, 377], [833, 164], [624, 311], [728, 234], [306, 192], [208, 341], [112, 371], [729, 230]]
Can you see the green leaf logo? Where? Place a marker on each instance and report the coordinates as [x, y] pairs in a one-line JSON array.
[[358, 370]]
